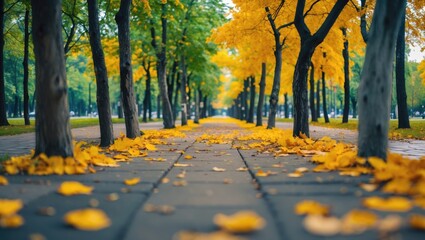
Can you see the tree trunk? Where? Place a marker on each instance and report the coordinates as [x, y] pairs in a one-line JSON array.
[[25, 65], [184, 103], [318, 99], [158, 106], [102, 92], [312, 107], [126, 71], [245, 99], [354, 106], [3, 117], [261, 96], [308, 45], [251, 101], [274, 96], [204, 107], [286, 105], [403, 111], [376, 79], [345, 54], [147, 98], [53, 134], [167, 113], [176, 96], [196, 120], [325, 105]]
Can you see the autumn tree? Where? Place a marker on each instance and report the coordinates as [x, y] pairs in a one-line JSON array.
[[309, 42], [102, 99], [3, 117], [53, 135], [126, 71], [375, 86]]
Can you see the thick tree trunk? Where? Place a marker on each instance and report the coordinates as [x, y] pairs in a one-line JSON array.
[[102, 92], [261, 95], [126, 71], [251, 101], [3, 117], [403, 111], [308, 44], [376, 79], [318, 99], [184, 103], [345, 54], [25, 65], [325, 105], [312, 106], [274, 96], [53, 134]]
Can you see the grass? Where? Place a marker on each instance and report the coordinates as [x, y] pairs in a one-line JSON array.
[[417, 130], [17, 125]]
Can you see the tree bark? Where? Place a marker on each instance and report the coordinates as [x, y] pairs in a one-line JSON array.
[[102, 92], [245, 99], [376, 79], [158, 106], [363, 22], [354, 106], [325, 105], [318, 99], [126, 71], [345, 54], [183, 94], [196, 120], [167, 113], [3, 117], [261, 95], [176, 96], [25, 65], [312, 106], [403, 111], [147, 98], [308, 44], [286, 105], [251, 101], [53, 134]]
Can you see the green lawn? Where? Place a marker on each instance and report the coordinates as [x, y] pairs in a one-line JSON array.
[[417, 130], [17, 125]]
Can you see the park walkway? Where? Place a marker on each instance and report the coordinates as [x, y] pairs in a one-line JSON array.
[[185, 196]]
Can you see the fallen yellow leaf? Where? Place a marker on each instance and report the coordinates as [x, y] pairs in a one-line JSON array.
[[217, 169], [310, 207], [10, 207], [240, 222], [74, 188], [321, 225], [219, 235], [357, 221], [3, 180], [395, 204], [242, 169], [188, 157], [377, 163], [181, 165], [417, 221], [398, 186], [89, 219], [132, 181], [11, 221]]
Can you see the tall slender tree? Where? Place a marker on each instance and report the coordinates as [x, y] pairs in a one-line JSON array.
[[345, 54], [376, 79], [309, 42], [102, 94], [126, 71], [261, 95], [25, 63], [312, 106], [53, 134], [250, 118], [3, 117]]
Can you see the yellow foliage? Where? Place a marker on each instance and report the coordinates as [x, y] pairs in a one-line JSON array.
[[74, 188], [240, 222], [10, 207], [89, 219]]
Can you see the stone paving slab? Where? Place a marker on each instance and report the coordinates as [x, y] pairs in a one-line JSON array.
[[198, 219], [228, 177]]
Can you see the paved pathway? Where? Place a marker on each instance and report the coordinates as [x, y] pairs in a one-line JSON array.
[[193, 206]]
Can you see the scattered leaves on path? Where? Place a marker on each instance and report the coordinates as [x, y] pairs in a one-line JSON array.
[[70, 188], [217, 169], [240, 222], [89, 219], [218, 235], [11, 221], [10, 206], [322, 225], [394, 204], [310, 207], [417, 221]]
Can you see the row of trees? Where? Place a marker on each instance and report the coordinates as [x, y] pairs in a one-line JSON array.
[[157, 40], [313, 41]]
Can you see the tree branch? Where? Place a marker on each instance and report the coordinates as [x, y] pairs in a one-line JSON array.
[[299, 22], [276, 33], [330, 20]]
